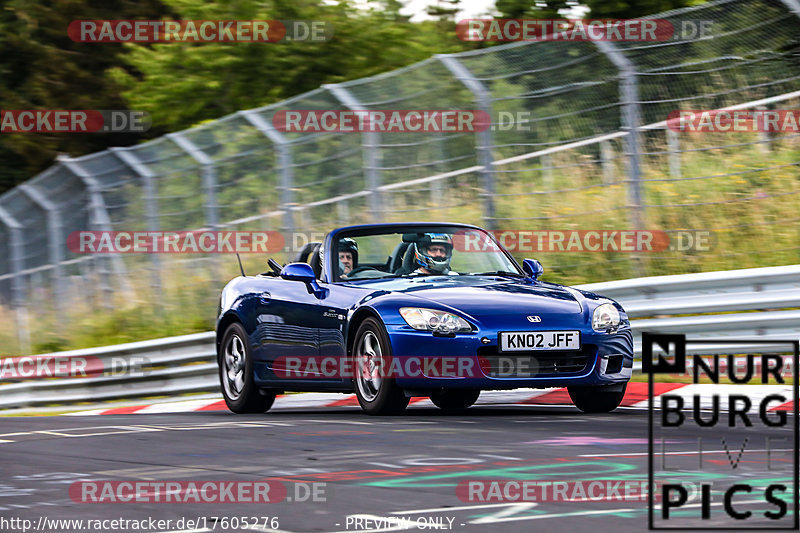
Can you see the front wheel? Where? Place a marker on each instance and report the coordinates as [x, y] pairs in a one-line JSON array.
[[236, 374], [455, 399], [598, 398], [377, 392]]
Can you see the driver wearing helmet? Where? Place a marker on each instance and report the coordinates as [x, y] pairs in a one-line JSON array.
[[348, 256], [432, 254]]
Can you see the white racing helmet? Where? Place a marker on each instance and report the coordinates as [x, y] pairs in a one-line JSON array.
[[423, 258]]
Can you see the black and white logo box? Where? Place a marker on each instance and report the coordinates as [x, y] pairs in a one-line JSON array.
[[723, 451]]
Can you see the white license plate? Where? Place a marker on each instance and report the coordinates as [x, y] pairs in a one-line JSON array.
[[519, 341]]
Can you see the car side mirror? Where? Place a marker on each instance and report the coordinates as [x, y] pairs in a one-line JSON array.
[[298, 272], [532, 268], [303, 272]]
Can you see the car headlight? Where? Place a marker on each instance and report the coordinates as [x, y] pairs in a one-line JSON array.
[[433, 320], [605, 317]]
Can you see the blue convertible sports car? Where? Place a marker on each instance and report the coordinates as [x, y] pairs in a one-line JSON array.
[[392, 311]]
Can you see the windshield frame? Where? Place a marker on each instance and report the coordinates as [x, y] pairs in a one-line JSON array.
[[330, 247]]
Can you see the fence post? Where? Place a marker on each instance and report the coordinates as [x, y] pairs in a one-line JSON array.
[[435, 188], [99, 215], [16, 262], [483, 98], [285, 162], [546, 162], [209, 186], [764, 137], [54, 237], [305, 218], [342, 213], [370, 145], [100, 221], [629, 95], [674, 148], [209, 176], [151, 205], [607, 162]]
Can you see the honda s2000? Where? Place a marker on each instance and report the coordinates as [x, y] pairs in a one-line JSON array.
[[392, 311]]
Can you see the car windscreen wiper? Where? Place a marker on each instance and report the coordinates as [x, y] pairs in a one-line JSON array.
[[499, 273]]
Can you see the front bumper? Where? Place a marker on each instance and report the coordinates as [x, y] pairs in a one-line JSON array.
[[470, 362]]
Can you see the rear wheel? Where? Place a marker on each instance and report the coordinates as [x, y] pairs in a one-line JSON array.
[[597, 399], [236, 374], [377, 393], [455, 399]]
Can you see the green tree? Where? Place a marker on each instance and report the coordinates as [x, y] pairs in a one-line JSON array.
[[444, 10], [41, 68], [515, 9], [634, 8], [597, 8], [181, 84]]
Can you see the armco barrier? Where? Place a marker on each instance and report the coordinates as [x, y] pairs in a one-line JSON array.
[[175, 365], [742, 304]]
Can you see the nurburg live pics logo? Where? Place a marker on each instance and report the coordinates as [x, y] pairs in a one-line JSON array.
[[737, 498]]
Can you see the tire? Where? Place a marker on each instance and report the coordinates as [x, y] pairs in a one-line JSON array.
[[597, 399], [377, 395], [235, 361], [455, 399]]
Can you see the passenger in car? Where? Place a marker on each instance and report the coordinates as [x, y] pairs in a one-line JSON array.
[[348, 256]]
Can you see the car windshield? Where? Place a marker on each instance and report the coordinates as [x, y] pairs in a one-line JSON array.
[[372, 253]]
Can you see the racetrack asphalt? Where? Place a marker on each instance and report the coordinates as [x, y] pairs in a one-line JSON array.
[[376, 474]]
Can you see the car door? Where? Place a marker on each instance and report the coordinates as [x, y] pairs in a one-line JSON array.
[[333, 311], [286, 336], [332, 315]]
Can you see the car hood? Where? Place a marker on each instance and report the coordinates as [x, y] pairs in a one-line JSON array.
[[481, 296]]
